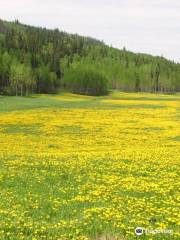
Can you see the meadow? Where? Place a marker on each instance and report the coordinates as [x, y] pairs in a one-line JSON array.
[[89, 168]]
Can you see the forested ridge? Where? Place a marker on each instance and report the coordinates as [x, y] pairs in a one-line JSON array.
[[39, 60]]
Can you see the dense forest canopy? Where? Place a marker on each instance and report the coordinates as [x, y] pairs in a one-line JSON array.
[[38, 60]]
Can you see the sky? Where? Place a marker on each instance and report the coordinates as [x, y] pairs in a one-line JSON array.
[[148, 26]]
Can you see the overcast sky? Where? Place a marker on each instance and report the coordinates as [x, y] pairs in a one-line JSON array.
[[150, 26]]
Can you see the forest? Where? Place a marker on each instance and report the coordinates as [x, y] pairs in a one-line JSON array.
[[39, 60]]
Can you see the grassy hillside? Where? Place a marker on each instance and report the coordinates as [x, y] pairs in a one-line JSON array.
[[38, 60], [84, 168]]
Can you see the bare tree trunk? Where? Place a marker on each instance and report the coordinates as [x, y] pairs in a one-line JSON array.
[[27, 91], [21, 90], [16, 90]]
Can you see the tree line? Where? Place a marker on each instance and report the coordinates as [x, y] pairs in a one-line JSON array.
[[39, 60]]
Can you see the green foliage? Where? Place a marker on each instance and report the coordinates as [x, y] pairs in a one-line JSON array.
[[41, 61], [37, 54], [85, 79], [21, 78], [46, 80], [131, 72]]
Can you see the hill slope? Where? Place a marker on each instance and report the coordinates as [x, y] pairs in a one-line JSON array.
[[40, 60]]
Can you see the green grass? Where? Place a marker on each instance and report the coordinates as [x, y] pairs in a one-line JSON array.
[[78, 101], [127, 154]]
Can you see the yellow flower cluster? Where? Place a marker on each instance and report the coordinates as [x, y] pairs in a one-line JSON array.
[[82, 173]]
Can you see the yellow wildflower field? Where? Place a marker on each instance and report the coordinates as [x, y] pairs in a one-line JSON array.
[[83, 168]]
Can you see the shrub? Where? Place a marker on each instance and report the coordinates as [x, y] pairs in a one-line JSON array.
[[85, 80]]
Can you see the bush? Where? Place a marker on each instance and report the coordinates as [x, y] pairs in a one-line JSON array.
[[85, 80]]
